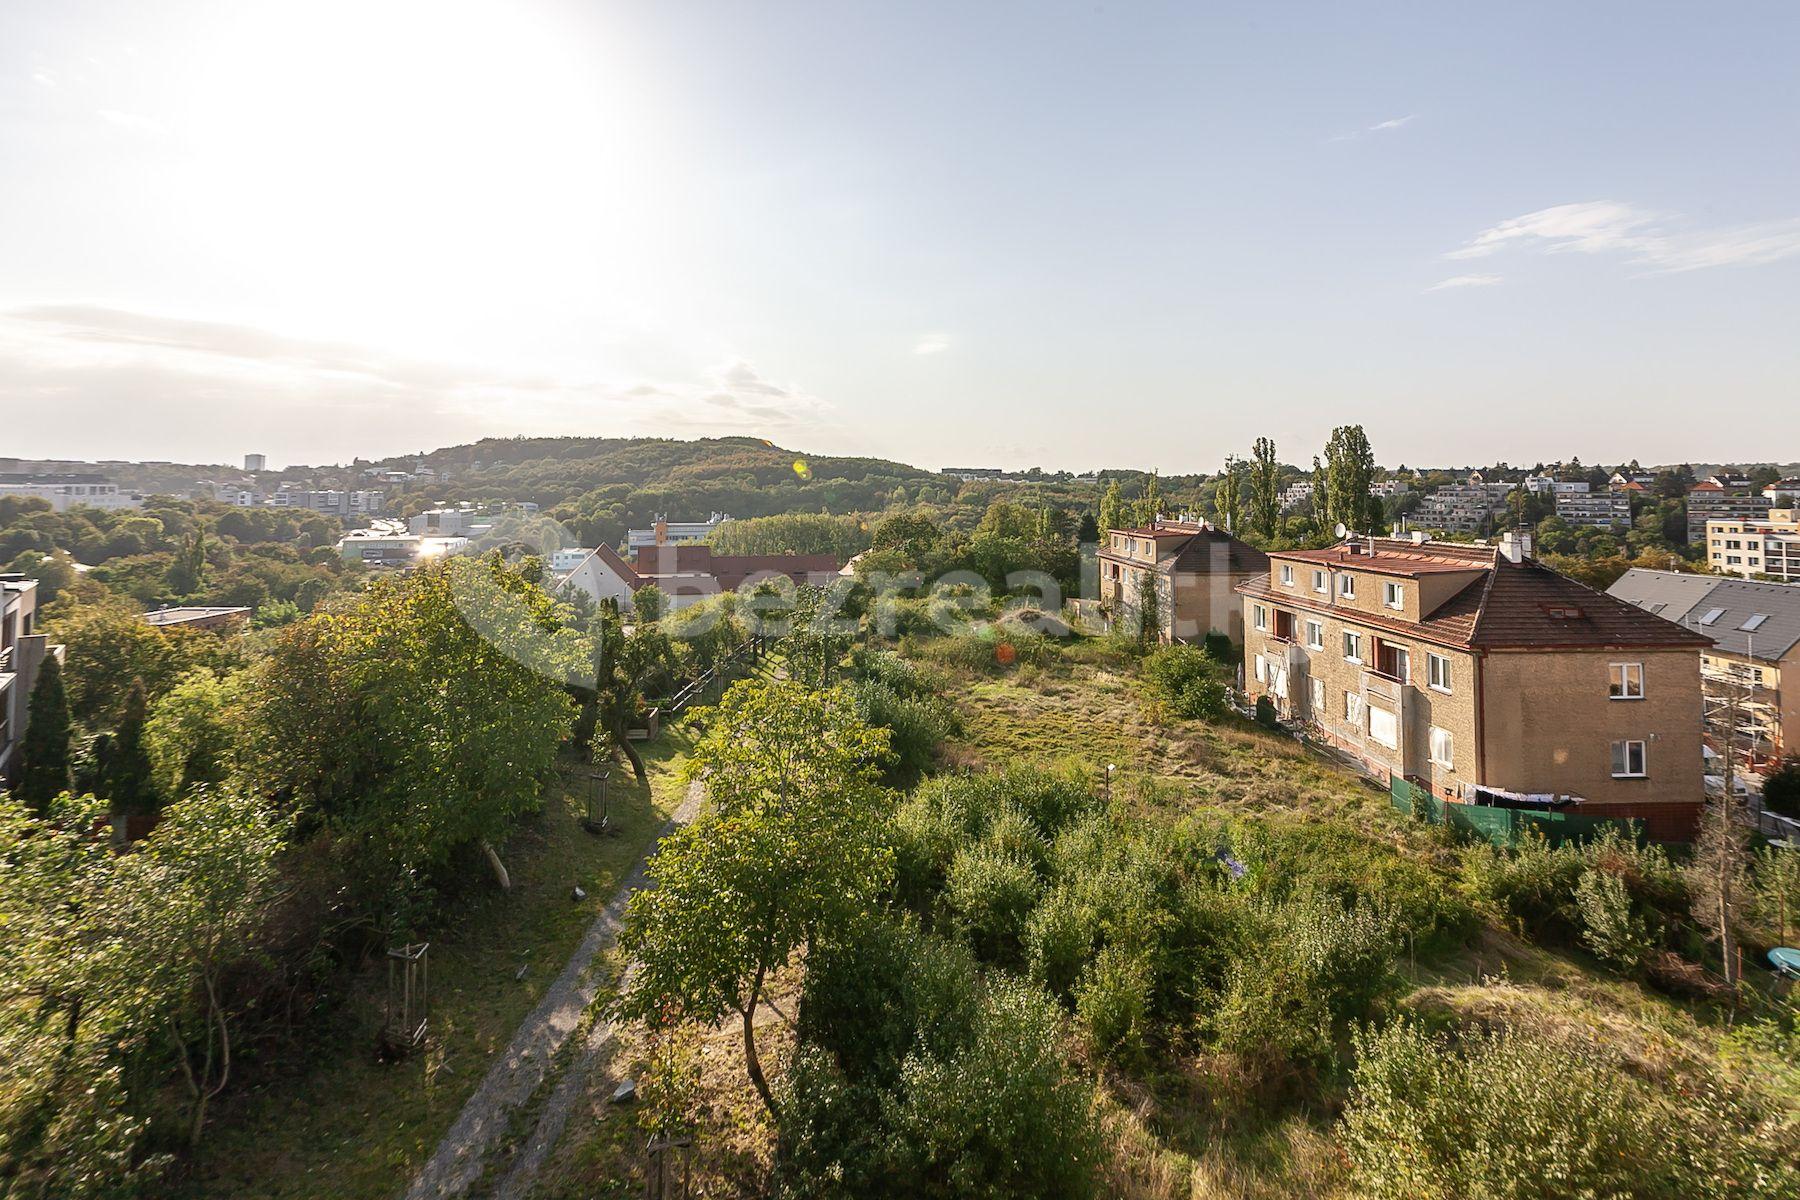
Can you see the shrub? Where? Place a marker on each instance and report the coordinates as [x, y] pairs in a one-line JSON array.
[[1188, 680], [990, 894], [917, 723], [1609, 928], [1265, 713], [1222, 650], [1113, 1002], [1507, 1114], [1001, 1117]]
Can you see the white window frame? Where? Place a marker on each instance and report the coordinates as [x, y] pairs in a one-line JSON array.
[[1437, 673], [1321, 583], [1347, 586], [1443, 747], [1390, 722], [1259, 618], [1621, 756], [1315, 635], [1353, 709], [1393, 595], [1353, 646], [1622, 675], [1318, 697], [1287, 575]]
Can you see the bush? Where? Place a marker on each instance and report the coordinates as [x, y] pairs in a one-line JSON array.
[[1188, 680], [990, 894], [1507, 1114], [1609, 928], [1265, 713], [917, 723], [1113, 1002], [1000, 1118]]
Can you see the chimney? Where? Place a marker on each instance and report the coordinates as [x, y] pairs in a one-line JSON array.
[[1515, 544]]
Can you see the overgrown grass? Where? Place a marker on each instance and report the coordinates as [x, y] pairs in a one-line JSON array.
[[343, 1125]]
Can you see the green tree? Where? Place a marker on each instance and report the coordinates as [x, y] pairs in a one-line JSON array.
[[1265, 489], [127, 780], [43, 769], [187, 574], [191, 733], [790, 848], [1229, 499], [1112, 508], [1349, 472], [649, 602]]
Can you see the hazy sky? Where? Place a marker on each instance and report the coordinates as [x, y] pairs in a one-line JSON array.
[[955, 234]]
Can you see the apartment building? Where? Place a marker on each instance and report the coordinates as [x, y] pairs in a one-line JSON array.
[[1722, 498], [22, 653], [663, 532], [66, 491], [1483, 676], [1749, 547], [1754, 662], [1784, 493], [1463, 508], [337, 503], [1594, 510], [1194, 568], [1296, 494]]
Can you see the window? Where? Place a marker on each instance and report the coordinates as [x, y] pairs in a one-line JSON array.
[[1353, 708], [1627, 681], [1259, 616], [1384, 727], [1318, 698], [1437, 672], [1347, 586], [1628, 760], [1315, 635], [1287, 575], [1352, 646], [1262, 675], [1754, 622], [1443, 747], [1393, 595], [1320, 583], [1713, 614]]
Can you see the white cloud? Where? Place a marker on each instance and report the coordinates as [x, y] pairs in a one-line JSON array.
[[1464, 281], [148, 380], [1641, 237], [1378, 127], [932, 343]]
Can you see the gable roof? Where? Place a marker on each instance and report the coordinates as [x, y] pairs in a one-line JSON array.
[[1671, 595], [1737, 603], [1506, 606], [1204, 549]]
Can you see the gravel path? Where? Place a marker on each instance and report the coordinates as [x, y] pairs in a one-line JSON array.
[[461, 1159]]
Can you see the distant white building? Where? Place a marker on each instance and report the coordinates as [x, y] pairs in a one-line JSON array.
[[391, 548], [1387, 489], [674, 533], [603, 575], [69, 491], [256, 462], [342, 504], [564, 561]]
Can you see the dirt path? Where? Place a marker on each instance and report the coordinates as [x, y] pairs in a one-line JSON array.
[[462, 1158]]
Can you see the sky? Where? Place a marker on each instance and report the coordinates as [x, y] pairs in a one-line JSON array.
[[1061, 235]]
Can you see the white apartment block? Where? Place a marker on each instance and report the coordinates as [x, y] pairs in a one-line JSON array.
[[70, 491], [1749, 547], [1594, 510], [1462, 507]]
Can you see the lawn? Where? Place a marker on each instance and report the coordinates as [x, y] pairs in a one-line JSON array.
[[348, 1126]]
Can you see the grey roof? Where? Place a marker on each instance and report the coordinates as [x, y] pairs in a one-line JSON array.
[[1676, 591], [1738, 602]]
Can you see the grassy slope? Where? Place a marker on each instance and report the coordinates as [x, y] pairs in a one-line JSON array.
[[352, 1127]]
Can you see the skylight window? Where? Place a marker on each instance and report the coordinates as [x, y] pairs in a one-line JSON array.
[[1755, 621], [1712, 614]]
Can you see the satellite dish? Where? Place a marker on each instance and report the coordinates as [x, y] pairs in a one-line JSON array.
[[1340, 529]]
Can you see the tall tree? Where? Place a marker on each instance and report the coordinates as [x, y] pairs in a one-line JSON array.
[[1717, 875], [1265, 488], [1112, 508], [1349, 473], [187, 574], [790, 850], [43, 772], [1150, 504], [1229, 499], [128, 781]]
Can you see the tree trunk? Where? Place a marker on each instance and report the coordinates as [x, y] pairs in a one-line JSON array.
[[752, 1063], [500, 875], [622, 740]]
